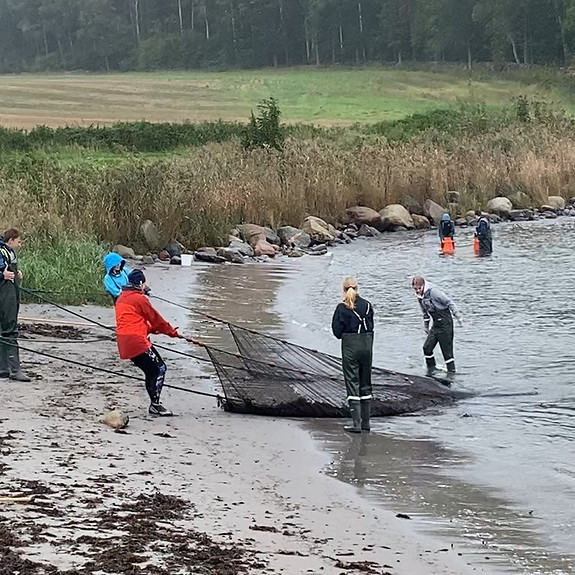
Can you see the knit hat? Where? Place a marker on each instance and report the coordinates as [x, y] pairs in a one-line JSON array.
[[137, 277]]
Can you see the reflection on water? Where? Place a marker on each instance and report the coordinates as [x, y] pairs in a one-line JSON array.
[[483, 465]]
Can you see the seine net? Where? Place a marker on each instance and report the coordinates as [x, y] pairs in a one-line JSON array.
[[269, 376]]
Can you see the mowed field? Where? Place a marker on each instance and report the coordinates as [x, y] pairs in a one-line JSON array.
[[324, 97]]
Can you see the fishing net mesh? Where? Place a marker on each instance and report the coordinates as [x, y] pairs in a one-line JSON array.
[[269, 376]]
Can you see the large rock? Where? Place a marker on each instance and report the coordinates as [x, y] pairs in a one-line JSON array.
[[124, 252], [412, 206], [520, 215], [230, 255], [151, 235], [420, 222], [520, 200], [175, 248], [317, 229], [366, 231], [272, 237], [557, 202], [500, 206], [433, 211], [209, 255], [242, 248], [252, 234], [264, 248], [291, 236], [394, 216], [359, 215]]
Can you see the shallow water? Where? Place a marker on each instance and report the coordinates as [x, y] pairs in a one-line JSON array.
[[496, 472]]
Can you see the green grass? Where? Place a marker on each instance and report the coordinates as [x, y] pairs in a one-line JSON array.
[[64, 270], [325, 96]]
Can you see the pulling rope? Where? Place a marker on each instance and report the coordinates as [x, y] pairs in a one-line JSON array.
[[192, 340], [103, 369]]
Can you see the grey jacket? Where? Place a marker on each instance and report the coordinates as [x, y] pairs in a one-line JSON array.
[[433, 300]]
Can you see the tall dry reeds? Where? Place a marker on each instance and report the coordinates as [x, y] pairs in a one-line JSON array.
[[199, 197]]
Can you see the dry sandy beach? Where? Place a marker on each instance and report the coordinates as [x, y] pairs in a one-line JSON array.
[[202, 492]]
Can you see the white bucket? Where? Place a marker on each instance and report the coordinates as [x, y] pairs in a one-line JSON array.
[[187, 259]]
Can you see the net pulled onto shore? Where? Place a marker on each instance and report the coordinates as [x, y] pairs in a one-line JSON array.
[[269, 376]]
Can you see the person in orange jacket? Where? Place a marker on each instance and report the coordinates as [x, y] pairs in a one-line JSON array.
[[136, 319]]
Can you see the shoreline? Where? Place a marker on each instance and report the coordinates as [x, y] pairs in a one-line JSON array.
[[267, 495]]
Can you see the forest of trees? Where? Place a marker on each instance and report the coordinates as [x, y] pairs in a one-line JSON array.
[[105, 35]]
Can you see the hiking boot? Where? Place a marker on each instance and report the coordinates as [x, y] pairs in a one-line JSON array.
[[19, 376], [13, 362], [355, 411], [159, 409]]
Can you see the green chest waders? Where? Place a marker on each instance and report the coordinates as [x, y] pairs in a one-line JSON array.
[[441, 333], [9, 308], [357, 358]]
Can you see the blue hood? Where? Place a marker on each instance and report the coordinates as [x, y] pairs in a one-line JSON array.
[[111, 260], [445, 218]]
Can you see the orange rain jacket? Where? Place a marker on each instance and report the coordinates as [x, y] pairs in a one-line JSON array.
[[136, 319]]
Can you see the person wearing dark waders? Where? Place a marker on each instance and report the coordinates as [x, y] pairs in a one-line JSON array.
[[438, 313], [10, 278], [447, 234], [483, 235], [353, 323], [136, 319]]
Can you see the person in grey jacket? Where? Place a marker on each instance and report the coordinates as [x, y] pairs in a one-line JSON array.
[[438, 313]]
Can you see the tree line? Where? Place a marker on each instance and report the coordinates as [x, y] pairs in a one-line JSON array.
[[106, 35]]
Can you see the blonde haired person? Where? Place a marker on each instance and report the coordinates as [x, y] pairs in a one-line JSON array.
[[353, 323]]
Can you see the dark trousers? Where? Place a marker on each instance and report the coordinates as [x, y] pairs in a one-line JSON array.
[[154, 369], [9, 307], [357, 356], [485, 245], [441, 333]]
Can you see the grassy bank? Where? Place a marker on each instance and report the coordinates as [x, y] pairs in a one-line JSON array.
[[332, 96], [63, 270]]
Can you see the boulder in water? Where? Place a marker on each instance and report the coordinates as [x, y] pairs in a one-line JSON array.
[[500, 206], [520, 215], [272, 237], [293, 236], [412, 206], [368, 232], [252, 234], [264, 248], [175, 248], [359, 215], [176, 261], [420, 222], [433, 211], [209, 255], [395, 215], [230, 255], [242, 248], [317, 229]]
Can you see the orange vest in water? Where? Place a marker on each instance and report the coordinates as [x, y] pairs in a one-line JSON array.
[[447, 246]]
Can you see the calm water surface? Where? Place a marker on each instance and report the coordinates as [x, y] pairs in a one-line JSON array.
[[495, 473]]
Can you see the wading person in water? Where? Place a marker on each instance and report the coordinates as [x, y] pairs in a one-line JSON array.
[[483, 234], [353, 323], [438, 313], [10, 278], [136, 319], [447, 233]]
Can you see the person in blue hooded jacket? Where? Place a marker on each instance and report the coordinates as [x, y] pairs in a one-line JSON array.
[[116, 274], [446, 227]]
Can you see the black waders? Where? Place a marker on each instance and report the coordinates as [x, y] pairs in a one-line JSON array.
[[357, 354], [441, 332], [9, 307]]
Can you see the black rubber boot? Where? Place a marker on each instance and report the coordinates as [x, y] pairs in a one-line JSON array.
[[355, 411], [4, 373], [15, 372], [365, 414]]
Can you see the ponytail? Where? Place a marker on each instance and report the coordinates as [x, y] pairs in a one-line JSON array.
[[350, 290]]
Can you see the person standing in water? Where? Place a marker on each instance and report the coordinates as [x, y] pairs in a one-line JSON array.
[[483, 234], [10, 278], [438, 313], [136, 319], [447, 233], [352, 323]]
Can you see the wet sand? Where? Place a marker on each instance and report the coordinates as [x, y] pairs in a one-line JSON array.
[[176, 494]]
